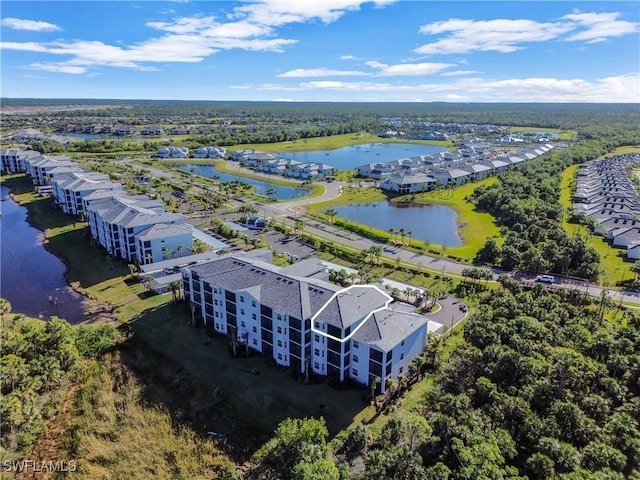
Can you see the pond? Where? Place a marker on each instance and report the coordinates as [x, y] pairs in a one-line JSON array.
[[259, 187], [33, 278], [353, 156], [435, 223]]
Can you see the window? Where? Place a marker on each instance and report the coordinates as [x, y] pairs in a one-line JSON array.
[[316, 325], [355, 344], [402, 343], [253, 303], [317, 352], [279, 356], [215, 302], [316, 337], [242, 311], [316, 365], [401, 356], [255, 342], [253, 316], [400, 370], [217, 314], [255, 329], [242, 324], [279, 343], [354, 358], [354, 372], [241, 299]]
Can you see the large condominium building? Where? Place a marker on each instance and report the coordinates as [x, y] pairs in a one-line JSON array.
[[344, 333], [38, 167], [14, 160], [115, 221], [69, 189]]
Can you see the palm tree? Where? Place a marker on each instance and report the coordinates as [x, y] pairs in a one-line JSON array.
[[132, 269], [392, 232], [165, 253], [298, 227], [331, 214], [5, 308], [409, 233], [402, 233], [175, 287]]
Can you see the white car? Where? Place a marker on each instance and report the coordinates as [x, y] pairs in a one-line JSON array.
[[545, 279]]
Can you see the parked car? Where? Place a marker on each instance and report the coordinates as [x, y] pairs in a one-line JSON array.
[[545, 279]]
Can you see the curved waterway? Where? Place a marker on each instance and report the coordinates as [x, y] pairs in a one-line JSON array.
[[31, 277]]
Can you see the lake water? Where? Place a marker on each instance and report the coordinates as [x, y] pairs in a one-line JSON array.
[[259, 187], [436, 223], [31, 275], [353, 156]]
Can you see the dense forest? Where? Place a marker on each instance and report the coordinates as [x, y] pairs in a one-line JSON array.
[[541, 386]]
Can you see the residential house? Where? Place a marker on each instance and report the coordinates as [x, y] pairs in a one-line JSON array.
[[173, 152], [152, 130], [209, 152], [451, 177], [409, 183]]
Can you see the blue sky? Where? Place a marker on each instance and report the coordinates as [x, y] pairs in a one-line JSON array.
[[322, 50]]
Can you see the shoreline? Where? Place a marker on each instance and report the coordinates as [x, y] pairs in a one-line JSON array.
[[100, 310]]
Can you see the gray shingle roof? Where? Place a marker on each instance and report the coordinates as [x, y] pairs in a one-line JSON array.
[[387, 328]]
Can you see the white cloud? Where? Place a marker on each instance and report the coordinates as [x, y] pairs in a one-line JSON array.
[[412, 69], [622, 88], [455, 73], [320, 72], [31, 25], [58, 68], [282, 12], [501, 35], [600, 26], [192, 39], [508, 35], [348, 57]]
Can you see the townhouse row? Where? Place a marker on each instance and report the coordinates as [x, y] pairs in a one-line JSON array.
[[448, 169], [356, 333], [268, 163], [606, 194], [133, 228]]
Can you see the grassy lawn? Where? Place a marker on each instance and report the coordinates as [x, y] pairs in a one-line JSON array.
[[612, 259], [623, 150], [331, 143], [474, 226]]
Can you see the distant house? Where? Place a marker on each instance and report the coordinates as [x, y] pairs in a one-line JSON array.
[[255, 223], [409, 183], [209, 152], [152, 130], [179, 130], [173, 152], [123, 130], [451, 177]]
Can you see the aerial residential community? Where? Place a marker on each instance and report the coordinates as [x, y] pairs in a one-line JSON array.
[[336, 240]]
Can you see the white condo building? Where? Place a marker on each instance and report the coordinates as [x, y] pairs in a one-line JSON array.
[[344, 333]]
